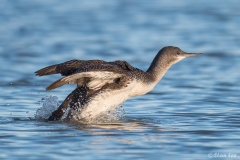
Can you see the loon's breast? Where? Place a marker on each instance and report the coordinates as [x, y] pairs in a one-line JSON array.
[[108, 99]]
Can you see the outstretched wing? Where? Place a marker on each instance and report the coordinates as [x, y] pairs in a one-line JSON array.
[[67, 68], [93, 73], [93, 76], [93, 80]]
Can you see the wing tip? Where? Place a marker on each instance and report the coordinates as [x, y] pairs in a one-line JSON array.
[[49, 88], [46, 71], [56, 84]]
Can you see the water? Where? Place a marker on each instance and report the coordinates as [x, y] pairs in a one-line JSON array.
[[193, 113]]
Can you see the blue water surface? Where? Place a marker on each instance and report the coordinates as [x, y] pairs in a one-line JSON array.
[[193, 113]]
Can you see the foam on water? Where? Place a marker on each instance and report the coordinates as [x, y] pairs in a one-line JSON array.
[[110, 116]]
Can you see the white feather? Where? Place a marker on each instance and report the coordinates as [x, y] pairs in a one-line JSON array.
[[97, 78]]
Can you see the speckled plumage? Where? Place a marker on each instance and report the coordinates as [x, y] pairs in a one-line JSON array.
[[104, 85]]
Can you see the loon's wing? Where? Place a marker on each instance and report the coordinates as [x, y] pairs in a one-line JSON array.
[[67, 68], [93, 76]]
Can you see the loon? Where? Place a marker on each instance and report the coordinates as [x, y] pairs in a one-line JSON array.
[[103, 86]]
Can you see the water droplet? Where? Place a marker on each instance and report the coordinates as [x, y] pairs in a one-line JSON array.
[[48, 106]]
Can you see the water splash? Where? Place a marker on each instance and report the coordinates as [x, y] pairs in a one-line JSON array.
[[111, 116], [49, 104], [66, 112]]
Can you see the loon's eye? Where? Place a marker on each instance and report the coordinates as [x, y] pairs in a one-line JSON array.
[[178, 53]]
